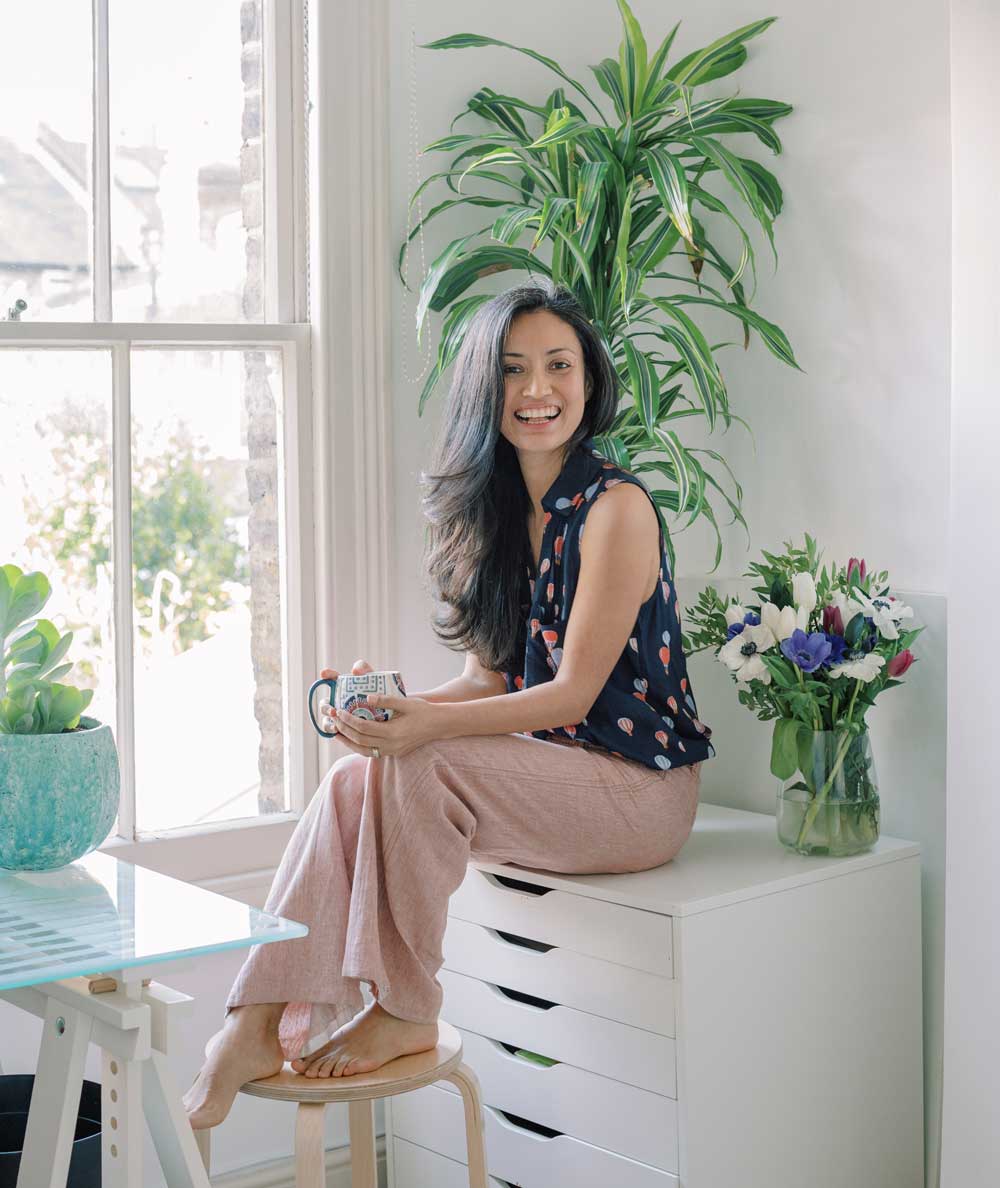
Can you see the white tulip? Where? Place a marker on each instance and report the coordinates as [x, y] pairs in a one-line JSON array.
[[780, 622], [804, 592]]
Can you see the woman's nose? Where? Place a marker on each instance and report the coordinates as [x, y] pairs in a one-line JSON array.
[[537, 385]]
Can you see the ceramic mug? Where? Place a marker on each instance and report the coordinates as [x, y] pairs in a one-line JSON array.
[[350, 692]]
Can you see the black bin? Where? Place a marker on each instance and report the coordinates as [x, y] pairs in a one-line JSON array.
[[85, 1162]]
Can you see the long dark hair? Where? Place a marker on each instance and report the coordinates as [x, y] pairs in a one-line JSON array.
[[475, 499]]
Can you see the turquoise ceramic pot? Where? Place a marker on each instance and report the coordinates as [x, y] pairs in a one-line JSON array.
[[58, 795]]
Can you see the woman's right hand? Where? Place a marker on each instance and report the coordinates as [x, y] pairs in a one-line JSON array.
[[327, 719]]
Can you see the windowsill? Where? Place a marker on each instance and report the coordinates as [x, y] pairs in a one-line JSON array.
[[216, 851]]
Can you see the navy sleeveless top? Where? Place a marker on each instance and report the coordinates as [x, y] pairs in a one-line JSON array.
[[646, 711]]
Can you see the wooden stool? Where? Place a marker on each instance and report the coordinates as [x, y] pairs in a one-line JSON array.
[[443, 1063]]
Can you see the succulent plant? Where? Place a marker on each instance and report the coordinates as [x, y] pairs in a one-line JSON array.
[[32, 701]]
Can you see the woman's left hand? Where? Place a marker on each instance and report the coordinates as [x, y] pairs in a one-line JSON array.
[[414, 721]]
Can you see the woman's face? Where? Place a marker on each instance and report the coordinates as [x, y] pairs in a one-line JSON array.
[[543, 369]]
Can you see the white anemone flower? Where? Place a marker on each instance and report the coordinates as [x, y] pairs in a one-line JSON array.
[[742, 654], [735, 614], [866, 669], [804, 592], [848, 607], [885, 612], [781, 623]]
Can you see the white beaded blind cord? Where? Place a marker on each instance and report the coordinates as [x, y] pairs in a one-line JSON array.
[[413, 180]]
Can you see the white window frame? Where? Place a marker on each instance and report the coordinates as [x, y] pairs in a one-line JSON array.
[[309, 543]]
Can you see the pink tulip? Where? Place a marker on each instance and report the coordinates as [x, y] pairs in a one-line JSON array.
[[858, 565], [899, 664]]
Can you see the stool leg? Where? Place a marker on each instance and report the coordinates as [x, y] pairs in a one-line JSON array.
[[468, 1083], [204, 1140], [363, 1162], [310, 1170]]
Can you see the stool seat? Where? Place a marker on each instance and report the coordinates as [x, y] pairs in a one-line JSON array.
[[358, 1091], [398, 1076]]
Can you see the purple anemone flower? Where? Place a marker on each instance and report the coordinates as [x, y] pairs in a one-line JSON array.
[[807, 651], [837, 648]]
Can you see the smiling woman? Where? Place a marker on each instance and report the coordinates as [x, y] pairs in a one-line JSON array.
[[588, 762]]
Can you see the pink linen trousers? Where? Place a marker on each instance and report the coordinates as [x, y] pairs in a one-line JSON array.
[[385, 842]]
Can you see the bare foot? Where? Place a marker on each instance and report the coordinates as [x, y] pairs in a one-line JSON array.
[[372, 1038], [245, 1049]]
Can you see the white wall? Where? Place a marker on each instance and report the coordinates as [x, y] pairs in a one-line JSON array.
[[971, 1147], [856, 450]]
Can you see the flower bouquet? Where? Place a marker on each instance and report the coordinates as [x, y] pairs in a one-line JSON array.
[[813, 654]]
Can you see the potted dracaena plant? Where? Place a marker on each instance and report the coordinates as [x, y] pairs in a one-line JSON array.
[[611, 203], [59, 773]]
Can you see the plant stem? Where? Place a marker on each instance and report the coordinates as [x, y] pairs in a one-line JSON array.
[[821, 795]]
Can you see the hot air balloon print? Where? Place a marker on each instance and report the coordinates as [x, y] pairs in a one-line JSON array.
[[519, 682], [544, 567], [661, 761], [672, 702], [535, 624], [665, 657], [557, 655], [627, 725], [550, 591], [663, 739], [641, 683], [558, 547], [633, 643], [550, 637]]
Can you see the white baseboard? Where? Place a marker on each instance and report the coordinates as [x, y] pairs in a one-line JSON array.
[[280, 1173]]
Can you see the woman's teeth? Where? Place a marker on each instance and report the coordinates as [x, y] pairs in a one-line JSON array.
[[534, 418]]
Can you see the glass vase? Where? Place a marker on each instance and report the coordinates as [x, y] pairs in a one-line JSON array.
[[830, 805]]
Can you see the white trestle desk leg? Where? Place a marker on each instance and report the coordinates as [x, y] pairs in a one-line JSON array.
[[121, 1122], [55, 1099]]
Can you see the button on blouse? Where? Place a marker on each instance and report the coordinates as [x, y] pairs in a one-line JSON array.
[[646, 710]]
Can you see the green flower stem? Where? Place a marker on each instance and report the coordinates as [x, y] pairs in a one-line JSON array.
[[820, 799]]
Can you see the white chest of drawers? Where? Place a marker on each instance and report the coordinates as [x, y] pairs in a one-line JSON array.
[[742, 1017]]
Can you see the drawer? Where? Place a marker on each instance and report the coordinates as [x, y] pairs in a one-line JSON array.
[[610, 931], [606, 1113], [589, 984], [416, 1167], [610, 1049], [434, 1118]]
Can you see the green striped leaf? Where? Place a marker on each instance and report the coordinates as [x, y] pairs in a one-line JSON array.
[[553, 210], [455, 269], [767, 185], [456, 322], [464, 139], [447, 204], [632, 58], [609, 79], [671, 445], [564, 127], [509, 227], [622, 248], [743, 183], [771, 335], [590, 178], [659, 59], [670, 180], [642, 383], [613, 448], [512, 157], [657, 246], [475, 41], [710, 201], [700, 66]]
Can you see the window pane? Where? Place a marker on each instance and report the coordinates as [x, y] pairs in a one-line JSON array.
[[208, 664], [55, 500], [45, 143], [187, 202]]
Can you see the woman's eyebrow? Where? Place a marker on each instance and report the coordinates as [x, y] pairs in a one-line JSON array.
[[554, 351]]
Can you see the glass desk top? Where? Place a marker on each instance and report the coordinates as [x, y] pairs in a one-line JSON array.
[[100, 914]]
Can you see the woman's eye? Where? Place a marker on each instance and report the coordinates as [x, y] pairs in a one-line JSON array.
[[560, 363], [511, 369]]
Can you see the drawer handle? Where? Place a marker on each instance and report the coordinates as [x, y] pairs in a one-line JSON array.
[[543, 1004], [520, 942], [511, 1051], [515, 884], [515, 1122]]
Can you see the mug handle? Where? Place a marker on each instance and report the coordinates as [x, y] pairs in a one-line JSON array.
[[332, 682]]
